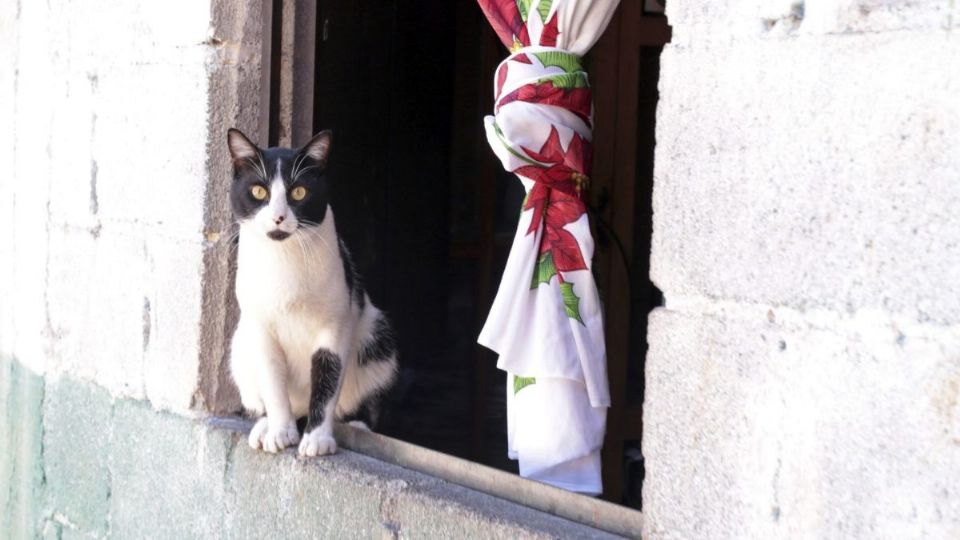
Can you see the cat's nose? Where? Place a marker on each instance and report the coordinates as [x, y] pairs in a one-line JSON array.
[[278, 220]]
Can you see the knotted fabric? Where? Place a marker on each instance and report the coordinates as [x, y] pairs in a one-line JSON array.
[[546, 321]]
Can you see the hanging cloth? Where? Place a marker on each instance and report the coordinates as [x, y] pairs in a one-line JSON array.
[[546, 321]]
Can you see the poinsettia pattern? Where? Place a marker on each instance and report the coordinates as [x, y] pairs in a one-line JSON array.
[[556, 168], [560, 174], [507, 22], [546, 320], [555, 200], [548, 38], [546, 92]]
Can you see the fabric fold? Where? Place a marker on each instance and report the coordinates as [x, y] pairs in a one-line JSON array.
[[546, 322]]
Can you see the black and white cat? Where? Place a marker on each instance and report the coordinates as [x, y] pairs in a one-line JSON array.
[[309, 342]]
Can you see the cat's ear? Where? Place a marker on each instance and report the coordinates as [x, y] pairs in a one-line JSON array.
[[241, 148], [319, 147]]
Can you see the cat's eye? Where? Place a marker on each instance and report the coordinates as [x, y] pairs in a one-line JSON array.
[[259, 192], [298, 193]]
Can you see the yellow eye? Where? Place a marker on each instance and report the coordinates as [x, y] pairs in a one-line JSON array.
[[298, 193], [259, 192]]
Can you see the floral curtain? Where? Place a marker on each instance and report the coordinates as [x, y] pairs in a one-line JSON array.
[[546, 322]]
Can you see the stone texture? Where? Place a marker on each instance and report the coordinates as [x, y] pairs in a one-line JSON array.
[[802, 378], [116, 224], [725, 20], [442, 510], [346, 504], [761, 424], [9, 37], [812, 173], [86, 464], [77, 439], [109, 115], [236, 98], [167, 476]]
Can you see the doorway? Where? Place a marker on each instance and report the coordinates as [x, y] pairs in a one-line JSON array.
[[429, 214]]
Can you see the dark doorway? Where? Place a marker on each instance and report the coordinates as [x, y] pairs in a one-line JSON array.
[[429, 214], [422, 203]]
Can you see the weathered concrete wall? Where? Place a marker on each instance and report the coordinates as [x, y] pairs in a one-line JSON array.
[[803, 378], [114, 217], [92, 465]]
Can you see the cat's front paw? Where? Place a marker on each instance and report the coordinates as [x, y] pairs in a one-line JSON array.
[[316, 444], [273, 439]]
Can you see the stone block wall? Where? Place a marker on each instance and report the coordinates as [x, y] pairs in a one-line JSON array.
[[114, 216], [803, 378], [114, 248]]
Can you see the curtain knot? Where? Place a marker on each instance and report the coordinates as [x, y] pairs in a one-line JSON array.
[[544, 76]]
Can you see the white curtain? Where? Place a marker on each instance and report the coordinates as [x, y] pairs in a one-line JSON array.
[[546, 321]]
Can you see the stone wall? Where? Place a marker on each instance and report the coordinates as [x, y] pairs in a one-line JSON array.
[[114, 216], [803, 378]]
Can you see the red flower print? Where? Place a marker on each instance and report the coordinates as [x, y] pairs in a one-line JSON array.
[[556, 209], [548, 38], [577, 158], [576, 100], [555, 197], [504, 17], [502, 77]]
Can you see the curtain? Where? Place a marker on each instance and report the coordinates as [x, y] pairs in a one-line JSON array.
[[546, 322]]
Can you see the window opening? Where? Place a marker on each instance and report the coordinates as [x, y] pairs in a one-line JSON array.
[[429, 214]]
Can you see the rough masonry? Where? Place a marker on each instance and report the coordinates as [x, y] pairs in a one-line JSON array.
[[803, 378]]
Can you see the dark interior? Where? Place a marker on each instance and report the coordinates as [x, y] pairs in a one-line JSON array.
[[429, 214], [422, 204]]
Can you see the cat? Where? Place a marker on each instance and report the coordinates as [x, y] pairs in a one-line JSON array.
[[309, 341]]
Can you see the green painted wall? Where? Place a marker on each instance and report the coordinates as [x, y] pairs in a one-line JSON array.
[[21, 447]]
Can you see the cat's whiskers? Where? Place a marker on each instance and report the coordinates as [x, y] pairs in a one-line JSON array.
[[311, 233], [301, 171], [317, 234], [259, 166], [296, 167], [313, 253], [321, 260], [303, 250], [230, 241]]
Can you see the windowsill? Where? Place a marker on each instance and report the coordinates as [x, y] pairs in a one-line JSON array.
[[528, 497]]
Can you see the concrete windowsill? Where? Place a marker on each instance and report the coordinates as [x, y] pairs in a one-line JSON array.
[[436, 490]]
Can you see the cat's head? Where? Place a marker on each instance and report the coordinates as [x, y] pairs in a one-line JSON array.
[[278, 190]]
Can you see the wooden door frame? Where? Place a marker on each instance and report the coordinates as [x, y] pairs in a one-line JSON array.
[[614, 72]]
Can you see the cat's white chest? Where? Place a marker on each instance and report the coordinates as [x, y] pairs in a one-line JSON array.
[[301, 276], [297, 293], [269, 281]]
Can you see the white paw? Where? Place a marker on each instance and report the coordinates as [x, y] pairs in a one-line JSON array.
[[273, 439], [256, 434], [316, 444]]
